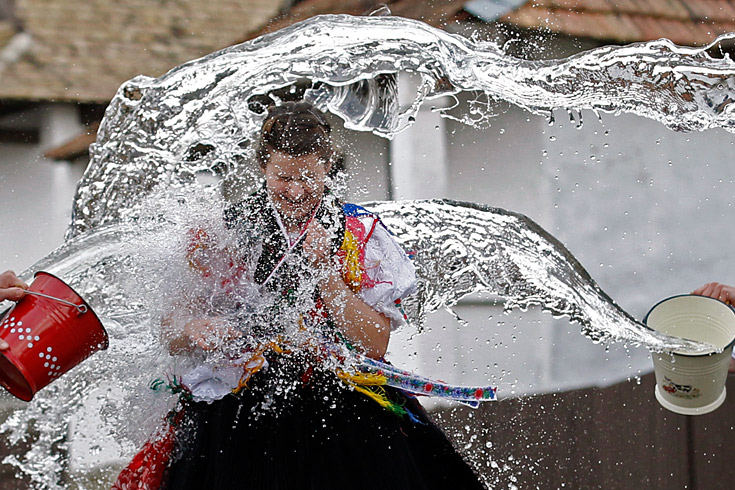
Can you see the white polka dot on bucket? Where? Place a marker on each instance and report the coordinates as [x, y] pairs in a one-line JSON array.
[[12, 324], [21, 337], [36, 338], [48, 356], [28, 330], [45, 364], [20, 324], [50, 373], [30, 345], [48, 349], [12, 330], [52, 366], [40, 354], [54, 359], [12, 318]]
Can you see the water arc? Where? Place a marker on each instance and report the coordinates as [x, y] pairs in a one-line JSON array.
[[156, 130]]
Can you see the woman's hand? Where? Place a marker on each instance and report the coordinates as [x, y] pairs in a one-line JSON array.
[[723, 292], [203, 333], [362, 325], [11, 287], [317, 245]]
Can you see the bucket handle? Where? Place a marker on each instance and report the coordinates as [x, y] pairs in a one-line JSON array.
[[80, 308]]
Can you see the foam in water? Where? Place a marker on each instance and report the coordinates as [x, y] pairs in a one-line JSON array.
[[140, 195]]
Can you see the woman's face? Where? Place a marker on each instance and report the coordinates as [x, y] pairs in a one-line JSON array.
[[295, 185]]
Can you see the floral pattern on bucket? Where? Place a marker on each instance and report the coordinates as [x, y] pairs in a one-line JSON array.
[[681, 391]]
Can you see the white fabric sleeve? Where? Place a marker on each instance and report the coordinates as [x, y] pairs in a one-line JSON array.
[[387, 265]]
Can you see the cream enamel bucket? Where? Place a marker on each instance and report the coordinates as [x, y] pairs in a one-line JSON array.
[[692, 384]]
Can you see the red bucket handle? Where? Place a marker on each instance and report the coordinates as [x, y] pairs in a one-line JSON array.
[[80, 308]]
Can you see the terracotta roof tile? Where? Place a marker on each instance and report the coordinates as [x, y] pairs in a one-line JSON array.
[[82, 51], [687, 22], [434, 12], [7, 31]]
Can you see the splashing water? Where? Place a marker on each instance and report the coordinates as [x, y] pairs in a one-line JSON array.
[[124, 240], [199, 117]]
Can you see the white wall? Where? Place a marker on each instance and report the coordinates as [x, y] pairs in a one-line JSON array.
[[36, 193], [645, 229]]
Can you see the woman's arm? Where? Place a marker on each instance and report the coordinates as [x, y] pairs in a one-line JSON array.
[[357, 321], [360, 323]]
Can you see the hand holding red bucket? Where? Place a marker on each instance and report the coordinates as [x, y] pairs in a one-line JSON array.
[[48, 332]]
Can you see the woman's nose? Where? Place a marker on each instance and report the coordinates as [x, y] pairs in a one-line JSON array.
[[295, 190]]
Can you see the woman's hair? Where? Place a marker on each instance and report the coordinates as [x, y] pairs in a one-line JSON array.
[[297, 129]]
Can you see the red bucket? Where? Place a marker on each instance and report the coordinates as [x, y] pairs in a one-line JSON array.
[[50, 330]]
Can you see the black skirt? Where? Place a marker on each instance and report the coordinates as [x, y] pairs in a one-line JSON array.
[[300, 427]]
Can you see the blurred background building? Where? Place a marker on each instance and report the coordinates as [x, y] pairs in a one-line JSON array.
[[646, 210]]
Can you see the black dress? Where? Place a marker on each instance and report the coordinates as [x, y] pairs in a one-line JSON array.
[[298, 426], [321, 435]]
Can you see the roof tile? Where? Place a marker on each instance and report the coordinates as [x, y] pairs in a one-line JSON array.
[[688, 22], [84, 51]]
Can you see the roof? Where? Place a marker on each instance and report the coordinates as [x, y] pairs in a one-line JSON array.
[[75, 147], [70, 58], [436, 12], [67, 50], [57, 50], [685, 22]]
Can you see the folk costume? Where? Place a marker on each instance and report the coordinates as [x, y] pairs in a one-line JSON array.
[[291, 420]]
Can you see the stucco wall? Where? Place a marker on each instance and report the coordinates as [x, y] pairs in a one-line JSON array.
[[647, 211], [36, 193], [36, 196]]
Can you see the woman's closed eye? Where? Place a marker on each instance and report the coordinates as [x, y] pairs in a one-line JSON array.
[[306, 181]]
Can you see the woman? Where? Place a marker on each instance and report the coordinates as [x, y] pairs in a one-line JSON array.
[[294, 423]]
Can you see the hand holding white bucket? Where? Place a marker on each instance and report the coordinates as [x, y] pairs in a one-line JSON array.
[[685, 383]]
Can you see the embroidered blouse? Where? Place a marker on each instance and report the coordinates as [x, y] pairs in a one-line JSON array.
[[380, 273]]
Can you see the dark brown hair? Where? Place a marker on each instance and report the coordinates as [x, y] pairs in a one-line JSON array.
[[297, 129]]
